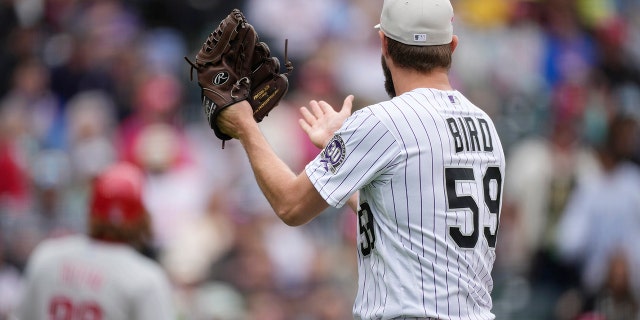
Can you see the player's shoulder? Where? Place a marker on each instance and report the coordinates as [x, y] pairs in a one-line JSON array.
[[128, 266], [146, 276], [386, 106], [377, 112], [363, 118], [148, 265], [142, 266], [54, 248], [60, 245]]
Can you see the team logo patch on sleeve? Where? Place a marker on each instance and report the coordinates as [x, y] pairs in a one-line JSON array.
[[333, 154]]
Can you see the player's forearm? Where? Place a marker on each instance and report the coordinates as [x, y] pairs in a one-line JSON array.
[[292, 197]]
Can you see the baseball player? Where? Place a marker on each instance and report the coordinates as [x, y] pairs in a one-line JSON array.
[[101, 276], [423, 170]]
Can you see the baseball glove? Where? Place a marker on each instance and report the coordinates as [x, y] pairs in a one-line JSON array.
[[233, 65], [223, 65], [268, 85]]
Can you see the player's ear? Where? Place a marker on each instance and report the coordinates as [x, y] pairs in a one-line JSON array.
[[383, 42], [454, 43]]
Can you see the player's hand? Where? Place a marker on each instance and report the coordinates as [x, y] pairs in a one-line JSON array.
[[321, 122], [234, 119]]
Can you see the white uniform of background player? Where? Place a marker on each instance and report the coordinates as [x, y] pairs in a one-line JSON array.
[[100, 277], [429, 166]]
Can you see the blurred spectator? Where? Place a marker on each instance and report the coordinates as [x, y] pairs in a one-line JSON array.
[[304, 23], [102, 33], [175, 191], [217, 300], [154, 138], [200, 244], [487, 13], [156, 100], [163, 51], [327, 302], [90, 132], [570, 51], [90, 123], [292, 254], [616, 65], [8, 25], [602, 219], [14, 192], [51, 180], [31, 96], [543, 172], [617, 299]]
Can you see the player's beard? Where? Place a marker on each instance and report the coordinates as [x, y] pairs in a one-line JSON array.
[[388, 79]]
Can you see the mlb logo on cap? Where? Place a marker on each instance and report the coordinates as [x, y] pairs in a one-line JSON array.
[[420, 37]]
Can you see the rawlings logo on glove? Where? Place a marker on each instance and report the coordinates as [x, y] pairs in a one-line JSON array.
[[221, 78]]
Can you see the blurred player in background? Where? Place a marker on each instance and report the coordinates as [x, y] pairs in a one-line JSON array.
[[101, 276], [423, 170]]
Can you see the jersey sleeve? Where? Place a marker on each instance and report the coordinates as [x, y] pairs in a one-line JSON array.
[[361, 152]]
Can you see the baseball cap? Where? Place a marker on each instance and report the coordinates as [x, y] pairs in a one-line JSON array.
[[117, 195], [417, 22]]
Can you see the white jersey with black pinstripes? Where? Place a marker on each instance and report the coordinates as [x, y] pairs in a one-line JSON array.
[[429, 166]]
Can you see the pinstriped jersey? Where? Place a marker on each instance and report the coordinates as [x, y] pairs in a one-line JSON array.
[[429, 166]]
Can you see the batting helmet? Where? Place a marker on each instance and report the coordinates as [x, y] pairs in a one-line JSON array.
[[116, 210]]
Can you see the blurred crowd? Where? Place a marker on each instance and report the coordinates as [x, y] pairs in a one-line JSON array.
[[86, 83]]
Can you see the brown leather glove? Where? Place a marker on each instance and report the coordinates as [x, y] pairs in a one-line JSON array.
[[233, 65], [223, 65], [268, 85]]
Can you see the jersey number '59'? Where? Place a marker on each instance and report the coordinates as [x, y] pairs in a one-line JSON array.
[[492, 177], [456, 202]]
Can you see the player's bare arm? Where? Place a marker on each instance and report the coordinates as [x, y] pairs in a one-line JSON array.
[[293, 197]]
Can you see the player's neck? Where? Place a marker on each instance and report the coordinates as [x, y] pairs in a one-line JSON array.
[[408, 80]]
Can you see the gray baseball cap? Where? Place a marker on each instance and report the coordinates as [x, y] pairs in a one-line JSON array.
[[417, 22]]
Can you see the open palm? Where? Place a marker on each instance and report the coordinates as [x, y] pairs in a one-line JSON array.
[[320, 121]]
